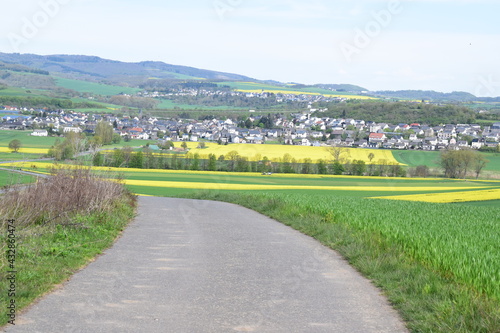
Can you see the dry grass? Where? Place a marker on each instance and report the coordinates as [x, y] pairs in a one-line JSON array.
[[55, 199]]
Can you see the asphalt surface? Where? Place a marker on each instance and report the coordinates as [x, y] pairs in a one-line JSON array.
[[200, 266]]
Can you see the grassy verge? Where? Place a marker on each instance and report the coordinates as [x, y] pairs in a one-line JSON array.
[[430, 295], [59, 225]]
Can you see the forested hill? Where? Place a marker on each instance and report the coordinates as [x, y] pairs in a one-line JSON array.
[[98, 69], [402, 112], [427, 95]]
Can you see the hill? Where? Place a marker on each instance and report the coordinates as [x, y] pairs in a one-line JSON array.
[[91, 68], [427, 95]]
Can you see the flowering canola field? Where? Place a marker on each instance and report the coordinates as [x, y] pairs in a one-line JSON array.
[[466, 196], [164, 182], [297, 92], [256, 152], [25, 150]]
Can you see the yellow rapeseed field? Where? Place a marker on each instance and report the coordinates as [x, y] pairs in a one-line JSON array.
[[296, 92], [50, 165], [482, 195], [26, 150], [275, 152], [249, 187]]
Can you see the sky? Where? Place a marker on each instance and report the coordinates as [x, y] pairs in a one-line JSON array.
[[443, 45]]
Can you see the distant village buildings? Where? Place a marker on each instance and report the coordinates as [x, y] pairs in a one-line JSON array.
[[301, 129]]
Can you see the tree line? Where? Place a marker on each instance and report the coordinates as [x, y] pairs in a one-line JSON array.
[[45, 102], [234, 162]]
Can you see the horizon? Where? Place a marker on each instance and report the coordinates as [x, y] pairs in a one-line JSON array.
[[378, 45]]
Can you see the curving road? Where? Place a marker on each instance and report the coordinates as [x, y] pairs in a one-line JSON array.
[[199, 266]]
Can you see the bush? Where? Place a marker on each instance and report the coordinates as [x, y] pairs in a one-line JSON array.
[[57, 198]]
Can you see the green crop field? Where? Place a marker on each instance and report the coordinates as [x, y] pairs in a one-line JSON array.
[[94, 88], [20, 92], [414, 158], [27, 141], [289, 89], [18, 156], [11, 178]]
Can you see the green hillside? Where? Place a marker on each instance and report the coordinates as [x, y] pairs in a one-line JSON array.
[[94, 88]]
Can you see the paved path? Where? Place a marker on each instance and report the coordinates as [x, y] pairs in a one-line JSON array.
[[198, 266]]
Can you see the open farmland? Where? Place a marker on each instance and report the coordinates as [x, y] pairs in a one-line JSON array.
[[276, 152], [9, 156], [11, 178], [254, 87], [415, 158], [161, 182], [27, 141], [442, 256]]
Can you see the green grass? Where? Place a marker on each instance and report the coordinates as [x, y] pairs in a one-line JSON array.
[[430, 260], [27, 141], [18, 156], [94, 88], [21, 92], [47, 256], [12, 178], [415, 158]]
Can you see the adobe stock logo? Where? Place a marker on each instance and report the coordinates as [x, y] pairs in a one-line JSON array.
[[222, 7], [364, 37], [31, 26], [488, 86]]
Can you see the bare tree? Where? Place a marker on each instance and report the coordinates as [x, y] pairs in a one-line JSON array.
[[339, 153], [479, 163]]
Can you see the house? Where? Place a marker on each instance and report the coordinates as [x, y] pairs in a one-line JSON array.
[[477, 143], [431, 140], [39, 132], [428, 146], [72, 129], [376, 139]]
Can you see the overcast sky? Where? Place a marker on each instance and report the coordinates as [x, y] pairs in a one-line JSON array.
[[441, 45]]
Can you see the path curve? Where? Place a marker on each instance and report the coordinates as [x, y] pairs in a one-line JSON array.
[[202, 266]]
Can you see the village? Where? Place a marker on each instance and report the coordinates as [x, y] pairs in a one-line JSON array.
[[305, 128]]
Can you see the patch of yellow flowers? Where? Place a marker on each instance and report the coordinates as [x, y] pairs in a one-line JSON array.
[[466, 196], [298, 92], [25, 150]]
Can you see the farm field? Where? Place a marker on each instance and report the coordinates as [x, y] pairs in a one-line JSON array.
[[455, 245], [254, 87], [276, 152], [162, 182], [27, 141], [20, 92], [8, 156], [10, 178], [414, 158]]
